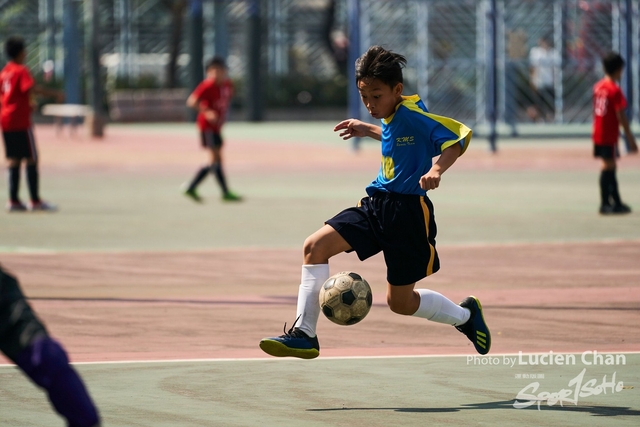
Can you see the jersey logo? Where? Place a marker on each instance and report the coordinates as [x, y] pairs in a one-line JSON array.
[[601, 105], [402, 141], [388, 168], [6, 86]]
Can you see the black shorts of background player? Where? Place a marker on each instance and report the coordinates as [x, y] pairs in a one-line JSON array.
[[26, 342]]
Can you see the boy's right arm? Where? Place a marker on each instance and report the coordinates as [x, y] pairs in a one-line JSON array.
[[192, 101], [353, 128]]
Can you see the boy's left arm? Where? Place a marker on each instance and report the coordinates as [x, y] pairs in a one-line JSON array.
[[622, 119], [431, 180]]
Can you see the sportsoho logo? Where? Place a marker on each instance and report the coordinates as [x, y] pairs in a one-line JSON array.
[[578, 387]]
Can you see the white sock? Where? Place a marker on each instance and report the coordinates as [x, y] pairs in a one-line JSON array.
[[438, 308], [313, 277]]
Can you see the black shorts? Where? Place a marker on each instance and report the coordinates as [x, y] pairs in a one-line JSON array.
[[606, 152], [19, 326], [211, 139], [20, 145], [402, 226]]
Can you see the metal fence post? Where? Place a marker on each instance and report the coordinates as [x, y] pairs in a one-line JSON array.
[[124, 64], [93, 47], [254, 65], [220, 38], [422, 39], [353, 99], [492, 74], [559, 12], [71, 56], [629, 58], [196, 46]]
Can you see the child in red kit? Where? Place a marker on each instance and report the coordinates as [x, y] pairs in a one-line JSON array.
[[16, 87], [608, 116], [211, 99]]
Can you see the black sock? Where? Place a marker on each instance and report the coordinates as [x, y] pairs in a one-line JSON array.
[[216, 169], [14, 182], [202, 173], [32, 181], [613, 188], [604, 188]]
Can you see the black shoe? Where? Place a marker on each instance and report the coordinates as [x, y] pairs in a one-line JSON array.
[[294, 343], [621, 209], [475, 328], [615, 209], [606, 209]]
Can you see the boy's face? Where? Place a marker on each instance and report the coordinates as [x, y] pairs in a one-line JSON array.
[[379, 98], [617, 76], [216, 72], [20, 58]]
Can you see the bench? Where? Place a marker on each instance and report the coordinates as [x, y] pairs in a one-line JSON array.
[[148, 105], [74, 112]]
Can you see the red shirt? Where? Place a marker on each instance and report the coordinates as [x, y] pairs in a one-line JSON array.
[[15, 104], [215, 96], [608, 99]]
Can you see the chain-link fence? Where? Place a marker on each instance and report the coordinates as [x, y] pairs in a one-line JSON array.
[[546, 61]]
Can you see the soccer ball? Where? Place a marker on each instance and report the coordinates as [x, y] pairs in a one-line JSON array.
[[345, 298]]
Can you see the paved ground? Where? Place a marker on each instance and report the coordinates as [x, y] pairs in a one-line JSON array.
[[129, 271]]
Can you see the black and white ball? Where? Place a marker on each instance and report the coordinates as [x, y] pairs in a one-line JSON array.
[[345, 298]]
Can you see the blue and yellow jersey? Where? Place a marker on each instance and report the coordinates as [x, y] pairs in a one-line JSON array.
[[411, 138]]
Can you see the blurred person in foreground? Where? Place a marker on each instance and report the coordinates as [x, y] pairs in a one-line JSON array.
[[608, 116], [26, 342], [16, 88]]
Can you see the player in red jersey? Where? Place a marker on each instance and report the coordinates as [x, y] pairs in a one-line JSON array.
[[211, 99], [16, 87], [608, 115]]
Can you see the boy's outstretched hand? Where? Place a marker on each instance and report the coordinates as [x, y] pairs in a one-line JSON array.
[[353, 128], [633, 147]]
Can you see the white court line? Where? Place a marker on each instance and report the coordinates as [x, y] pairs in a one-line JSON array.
[[285, 359], [24, 250]]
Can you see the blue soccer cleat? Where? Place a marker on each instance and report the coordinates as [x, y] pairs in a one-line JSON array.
[[476, 328], [293, 343]]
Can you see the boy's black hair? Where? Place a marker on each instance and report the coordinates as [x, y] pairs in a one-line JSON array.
[[379, 63], [14, 46], [216, 61], [612, 62]]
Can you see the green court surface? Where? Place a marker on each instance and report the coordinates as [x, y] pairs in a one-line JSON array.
[[293, 178], [121, 196], [351, 392]]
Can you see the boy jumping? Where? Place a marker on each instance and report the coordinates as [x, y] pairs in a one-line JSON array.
[[396, 217]]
